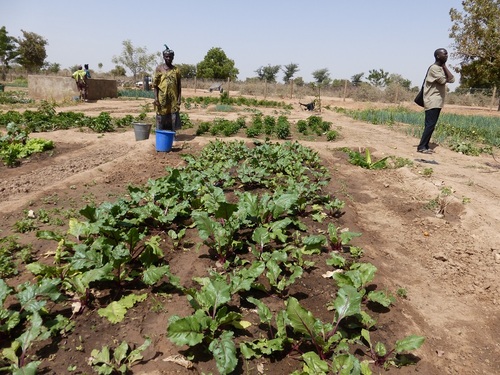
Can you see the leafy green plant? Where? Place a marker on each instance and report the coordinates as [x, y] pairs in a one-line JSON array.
[[395, 357], [118, 360], [210, 325], [365, 161]]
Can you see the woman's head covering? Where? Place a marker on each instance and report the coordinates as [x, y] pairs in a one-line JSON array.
[[168, 51]]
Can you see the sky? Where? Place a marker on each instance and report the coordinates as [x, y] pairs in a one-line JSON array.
[[346, 37]]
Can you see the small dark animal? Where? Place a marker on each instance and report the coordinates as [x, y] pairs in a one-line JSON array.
[[309, 106]]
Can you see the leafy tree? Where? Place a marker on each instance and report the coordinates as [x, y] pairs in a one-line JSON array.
[[216, 65], [337, 83], [289, 71], [397, 78], [321, 76], [136, 59], [32, 51], [268, 73], [356, 79], [52, 67], [378, 77], [299, 81], [476, 32], [187, 70], [118, 71], [8, 51], [100, 66]]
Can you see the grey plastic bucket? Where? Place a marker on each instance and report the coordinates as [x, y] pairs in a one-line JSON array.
[[141, 131]]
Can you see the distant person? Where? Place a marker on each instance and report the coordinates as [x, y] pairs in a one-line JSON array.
[[87, 71], [81, 82], [435, 82], [167, 90]]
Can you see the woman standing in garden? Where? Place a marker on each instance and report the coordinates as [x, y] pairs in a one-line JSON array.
[[167, 90]]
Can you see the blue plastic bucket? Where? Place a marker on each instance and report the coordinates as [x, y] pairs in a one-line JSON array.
[[164, 140]]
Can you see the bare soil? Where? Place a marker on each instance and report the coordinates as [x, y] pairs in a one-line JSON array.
[[448, 262]]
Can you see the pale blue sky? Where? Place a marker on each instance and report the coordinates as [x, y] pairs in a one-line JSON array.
[[346, 37]]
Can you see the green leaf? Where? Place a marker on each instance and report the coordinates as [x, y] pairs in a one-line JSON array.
[[261, 236], [224, 352], [136, 354], [411, 342], [380, 297], [29, 369], [245, 277], [120, 352], [366, 335], [114, 312], [336, 260], [313, 364], [264, 312], [186, 331], [347, 303], [153, 274], [380, 349], [301, 320], [214, 294]]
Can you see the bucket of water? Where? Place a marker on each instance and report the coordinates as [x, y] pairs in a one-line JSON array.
[[141, 131], [164, 140]]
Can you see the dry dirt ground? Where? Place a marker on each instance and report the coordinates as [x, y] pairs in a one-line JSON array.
[[447, 262]]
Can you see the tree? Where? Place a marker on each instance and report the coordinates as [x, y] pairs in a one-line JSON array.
[[136, 59], [52, 67], [32, 51], [268, 73], [321, 76], [378, 78], [398, 79], [187, 70], [118, 71], [216, 65], [356, 79], [8, 51], [476, 34], [289, 71]]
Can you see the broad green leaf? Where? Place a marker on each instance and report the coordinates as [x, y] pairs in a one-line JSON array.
[[153, 274], [260, 347], [186, 331], [136, 354], [264, 312], [346, 364], [313, 364], [204, 224], [76, 228], [380, 297], [411, 342], [5, 290], [380, 349], [301, 320], [214, 294], [120, 352], [366, 335], [10, 353], [30, 369], [114, 312], [130, 300], [9, 319], [336, 260], [261, 236], [48, 235], [365, 368], [245, 277], [366, 272], [347, 303], [224, 352]]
